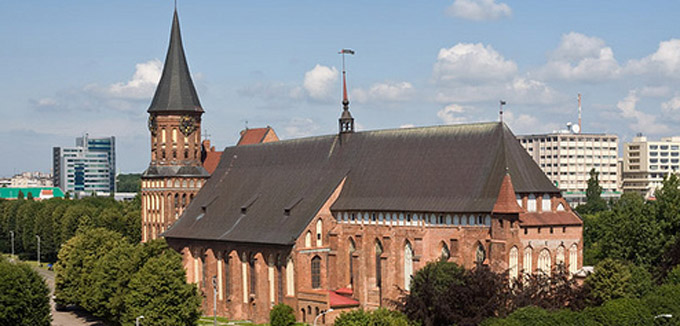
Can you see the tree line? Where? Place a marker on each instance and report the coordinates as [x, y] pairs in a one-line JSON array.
[[57, 220]]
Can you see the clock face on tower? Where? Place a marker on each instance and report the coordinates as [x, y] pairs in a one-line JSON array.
[[187, 125], [153, 125]]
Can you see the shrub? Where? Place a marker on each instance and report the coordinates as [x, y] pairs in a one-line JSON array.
[[379, 317], [281, 315]]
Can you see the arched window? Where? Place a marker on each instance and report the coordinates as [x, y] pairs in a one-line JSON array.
[[408, 265], [316, 272], [545, 203], [573, 259], [244, 276], [544, 262], [319, 229], [531, 203], [290, 277], [184, 183], [378, 263], [174, 136], [559, 256], [191, 183], [445, 253], [184, 200], [528, 254], [513, 271], [176, 183], [480, 254], [163, 135], [308, 239], [350, 259], [253, 275]]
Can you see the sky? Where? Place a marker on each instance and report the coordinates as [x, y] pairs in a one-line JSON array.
[[73, 67]]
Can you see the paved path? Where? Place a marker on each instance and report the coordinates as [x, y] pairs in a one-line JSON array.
[[71, 317]]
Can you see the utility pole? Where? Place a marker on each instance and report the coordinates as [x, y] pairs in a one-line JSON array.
[[214, 284], [38, 237], [137, 320], [11, 233]]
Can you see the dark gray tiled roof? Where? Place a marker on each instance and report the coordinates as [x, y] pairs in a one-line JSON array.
[[175, 91], [455, 168]]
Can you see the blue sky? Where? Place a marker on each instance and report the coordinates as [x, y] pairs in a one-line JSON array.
[[71, 67]]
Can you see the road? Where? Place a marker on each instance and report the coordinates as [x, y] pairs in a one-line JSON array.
[[72, 317]]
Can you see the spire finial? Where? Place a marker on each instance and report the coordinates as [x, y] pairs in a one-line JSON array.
[[175, 5], [346, 120], [501, 109]]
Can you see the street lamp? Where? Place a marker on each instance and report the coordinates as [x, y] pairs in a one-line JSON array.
[[323, 312], [38, 237], [663, 316], [11, 233], [137, 320]]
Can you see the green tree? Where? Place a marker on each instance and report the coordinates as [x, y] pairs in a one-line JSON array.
[[111, 275], [281, 315], [615, 279], [594, 202], [379, 317], [622, 311], [129, 182], [159, 292], [24, 296]]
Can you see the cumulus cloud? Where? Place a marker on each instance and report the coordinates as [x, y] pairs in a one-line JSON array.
[[408, 125], [300, 127], [641, 121], [479, 10], [520, 90], [665, 61], [472, 62], [384, 92], [320, 82], [671, 108], [452, 114], [582, 58], [141, 86]]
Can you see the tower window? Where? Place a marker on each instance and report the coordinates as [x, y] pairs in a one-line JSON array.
[[316, 272]]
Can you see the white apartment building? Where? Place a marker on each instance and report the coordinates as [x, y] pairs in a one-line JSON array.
[[646, 163], [567, 157]]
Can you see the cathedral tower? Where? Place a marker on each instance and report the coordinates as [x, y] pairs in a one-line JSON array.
[[175, 173]]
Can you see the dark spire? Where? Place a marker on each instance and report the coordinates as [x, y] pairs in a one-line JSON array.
[[175, 91], [346, 121]]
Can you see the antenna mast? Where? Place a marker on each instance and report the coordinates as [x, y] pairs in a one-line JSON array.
[[579, 114]]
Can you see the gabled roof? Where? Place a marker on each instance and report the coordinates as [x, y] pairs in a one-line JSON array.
[[268, 193], [506, 202], [256, 136], [175, 91]]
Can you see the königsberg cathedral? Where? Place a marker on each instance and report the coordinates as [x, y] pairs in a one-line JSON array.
[[342, 220]]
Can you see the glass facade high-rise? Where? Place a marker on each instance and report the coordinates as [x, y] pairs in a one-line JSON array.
[[88, 167]]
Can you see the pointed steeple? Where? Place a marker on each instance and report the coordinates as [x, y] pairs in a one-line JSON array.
[[175, 91], [506, 202], [346, 120]]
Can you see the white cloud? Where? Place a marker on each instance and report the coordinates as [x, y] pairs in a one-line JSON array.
[[384, 92], [665, 61], [655, 91], [472, 62], [581, 57], [641, 121], [452, 114], [671, 108], [300, 127], [320, 82], [479, 10], [408, 125], [141, 86], [519, 90], [46, 102], [523, 123]]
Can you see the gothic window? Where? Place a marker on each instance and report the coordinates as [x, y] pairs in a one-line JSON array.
[[350, 259], [487, 220], [378, 264], [290, 277], [545, 203], [174, 136], [227, 275], [163, 136], [204, 273], [471, 220], [319, 230], [279, 281], [163, 154], [480, 254], [271, 280], [573, 259], [531, 203], [184, 183], [184, 200], [244, 276], [445, 253], [456, 220], [408, 265], [448, 219], [174, 154], [559, 256], [528, 254], [513, 271], [308, 239], [253, 275], [316, 272], [176, 183], [544, 261], [186, 154], [441, 219]]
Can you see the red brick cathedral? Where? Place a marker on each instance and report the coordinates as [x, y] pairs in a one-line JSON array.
[[344, 220]]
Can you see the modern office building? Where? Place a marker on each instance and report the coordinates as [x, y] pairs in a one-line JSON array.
[[646, 163], [87, 167], [567, 157]]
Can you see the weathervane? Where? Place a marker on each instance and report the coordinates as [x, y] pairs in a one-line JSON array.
[[345, 100], [501, 110]]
